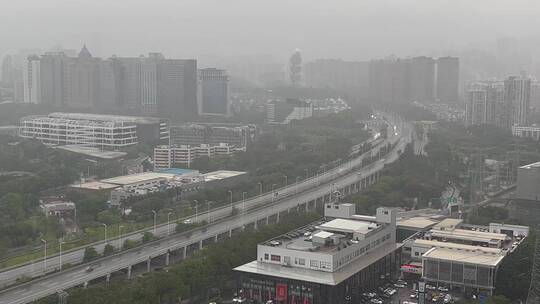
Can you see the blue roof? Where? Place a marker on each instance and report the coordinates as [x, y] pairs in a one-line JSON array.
[[177, 171]]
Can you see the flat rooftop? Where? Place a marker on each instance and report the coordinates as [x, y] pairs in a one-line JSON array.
[[449, 245], [462, 256], [417, 222], [348, 226], [448, 223], [221, 174], [469, 235], [137, 178], [93, 152], [315, 276], [94, 186], [177, 171], [104, 117]]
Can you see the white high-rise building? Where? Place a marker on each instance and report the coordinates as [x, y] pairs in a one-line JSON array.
[[32, 80]]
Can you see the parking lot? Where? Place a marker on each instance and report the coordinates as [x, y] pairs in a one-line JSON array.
[[403, 292]]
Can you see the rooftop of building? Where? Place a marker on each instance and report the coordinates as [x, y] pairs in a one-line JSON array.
[[138, 178], [477, 257], [221, 174], [417, 222], [315, 276], [456, 246], [95, 185], [100, 117], [177, 171], [468, 235], [340, 231], [93, 152], [449, 223]]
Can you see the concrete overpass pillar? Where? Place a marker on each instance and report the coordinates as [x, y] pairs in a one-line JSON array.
[[255, 225], [216, 238], [167, 259], [200, 245], [267, 220], [230, 233], [129, 272], [184, 252], [148, 265], [277, 217]]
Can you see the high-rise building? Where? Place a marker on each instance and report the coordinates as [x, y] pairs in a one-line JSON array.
[[517, 93], [32, 81], [389, 80], [213, 92], [83, 80], [52, 79], [448, 79], [295, 68], [177, 88], [7, 70], [422, 79], [336, 74], [477, 107]]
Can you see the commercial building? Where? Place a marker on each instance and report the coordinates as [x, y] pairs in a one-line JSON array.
[[213, 92], [517, 98], [166, 156], [527, 131], [212, 134], [336, 74], [107, 132], [283, 112], [525, 205], [448, 80], [328, 261]]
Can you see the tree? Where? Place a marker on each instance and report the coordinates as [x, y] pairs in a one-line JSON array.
[[108, 250], [90, 254], [147, 237]]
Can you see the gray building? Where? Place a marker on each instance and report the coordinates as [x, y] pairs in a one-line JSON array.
[[177, 88], [448, 79], [213, 92], [517, 99], [525, 206], [422, 79]]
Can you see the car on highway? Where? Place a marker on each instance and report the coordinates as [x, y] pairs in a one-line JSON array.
[[376, 301], [89, 269], [188, 221]]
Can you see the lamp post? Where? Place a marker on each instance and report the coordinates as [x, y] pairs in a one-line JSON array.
[[307, 171], [260, 188], [230, 192], [60, 242], [105, 225], [120, 237], [155, 217], [244, 201], [196, 210], [296, 189], [208, 212], [286, 181], [45, 255], [168, 223], [273, 195]]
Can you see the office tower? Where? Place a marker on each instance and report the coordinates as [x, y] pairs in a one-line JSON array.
[[422, 79], [389, 80], [127, 73], [336, 74], [448, 79], [177, 88], [477, 110], [53, 77], [535, 95], [7, 71], [83, 80], [32, 81], [213, 92], [149, 83], [107, 85], [295, 68], [517, 99]]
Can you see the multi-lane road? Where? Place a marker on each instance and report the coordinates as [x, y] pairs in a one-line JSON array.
[[221, 222]]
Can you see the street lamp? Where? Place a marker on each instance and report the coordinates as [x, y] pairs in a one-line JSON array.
[[260, 188], [120, 237], [155, 217], [306, 172], [286, 181], [196, 210], [208, 212], [105, 225], [243, 201], [60, 242], [168, 222], [230, 192], [45, 254], [273, 185], [296, 189]]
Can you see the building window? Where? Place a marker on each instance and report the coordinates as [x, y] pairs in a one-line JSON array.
[[314, 263], [300, 261], [287, 260], [416, 253], [325, 265], [275, 258], [266, 256]]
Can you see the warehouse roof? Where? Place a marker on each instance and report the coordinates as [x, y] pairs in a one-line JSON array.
[[419, 222], [137, 178], [348, 226], [477, 257]]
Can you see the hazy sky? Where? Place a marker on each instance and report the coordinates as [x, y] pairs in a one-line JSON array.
[[351, 29]]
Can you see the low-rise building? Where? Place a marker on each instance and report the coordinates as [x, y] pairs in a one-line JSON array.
[[170, 156], [325, 262]]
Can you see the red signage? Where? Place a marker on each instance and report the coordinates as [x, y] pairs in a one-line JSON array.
[[281, 292]]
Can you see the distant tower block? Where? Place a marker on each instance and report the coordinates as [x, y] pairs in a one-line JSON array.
[[295, 68]]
